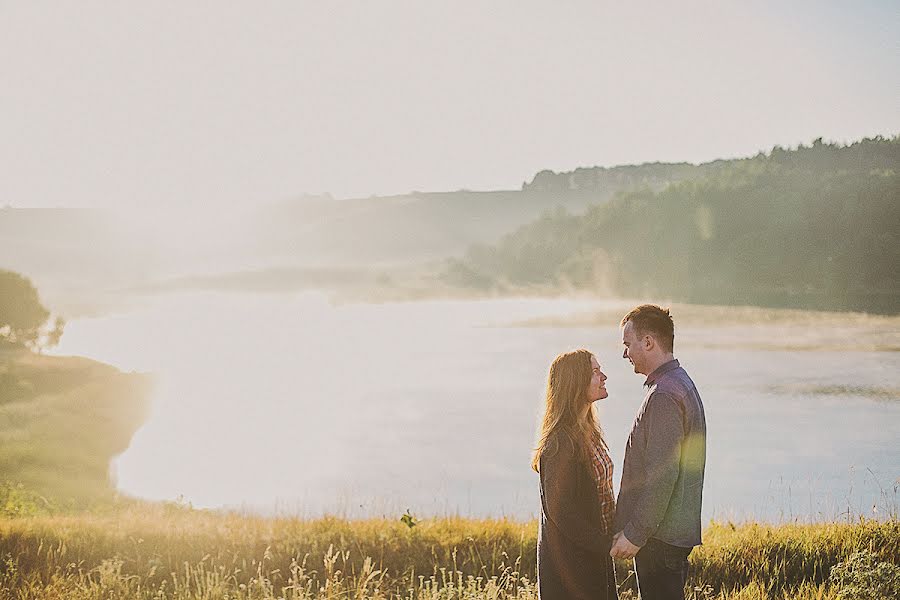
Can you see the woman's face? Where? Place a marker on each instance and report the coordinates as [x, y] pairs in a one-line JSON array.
[[597, 388]]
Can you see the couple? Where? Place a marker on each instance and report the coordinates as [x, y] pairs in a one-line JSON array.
[[656, 519]]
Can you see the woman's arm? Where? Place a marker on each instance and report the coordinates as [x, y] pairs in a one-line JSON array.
[[559, 480]]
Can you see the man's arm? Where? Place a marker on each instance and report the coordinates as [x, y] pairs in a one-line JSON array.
[[662, 431], [622, 548]]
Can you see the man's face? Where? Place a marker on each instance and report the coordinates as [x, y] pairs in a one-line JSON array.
[[634, 348]]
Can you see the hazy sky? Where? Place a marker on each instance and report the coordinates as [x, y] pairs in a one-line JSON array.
[[237, 103]]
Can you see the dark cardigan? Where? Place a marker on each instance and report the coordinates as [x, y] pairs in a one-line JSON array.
[[573, 552]]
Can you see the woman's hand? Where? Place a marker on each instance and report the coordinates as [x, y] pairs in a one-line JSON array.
[[622, 548]]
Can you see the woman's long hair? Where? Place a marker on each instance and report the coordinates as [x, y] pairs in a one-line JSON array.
[[564, 421]]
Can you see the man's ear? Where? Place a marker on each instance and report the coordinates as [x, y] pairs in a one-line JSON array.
[[649, 342]]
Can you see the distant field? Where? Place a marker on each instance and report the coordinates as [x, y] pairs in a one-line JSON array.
[[166, 551], [756, 327]]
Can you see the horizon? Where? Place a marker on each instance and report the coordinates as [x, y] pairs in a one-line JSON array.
[[303, 195], [177, 104]]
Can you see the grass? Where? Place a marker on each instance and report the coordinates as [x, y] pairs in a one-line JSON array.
[[61, 421], [171, 551]]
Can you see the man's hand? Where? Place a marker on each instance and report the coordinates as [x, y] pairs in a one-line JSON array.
[[622, 548]]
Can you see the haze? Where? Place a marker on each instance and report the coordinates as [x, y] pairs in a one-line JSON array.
[[211, 105]]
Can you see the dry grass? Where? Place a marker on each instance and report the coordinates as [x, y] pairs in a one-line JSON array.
[[166, 551]]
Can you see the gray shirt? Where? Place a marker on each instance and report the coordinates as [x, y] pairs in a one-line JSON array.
[[662, 478]]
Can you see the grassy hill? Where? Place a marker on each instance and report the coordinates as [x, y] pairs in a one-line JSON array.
[[62, 419]]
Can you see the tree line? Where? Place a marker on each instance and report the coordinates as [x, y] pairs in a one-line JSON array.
[[814, 227]]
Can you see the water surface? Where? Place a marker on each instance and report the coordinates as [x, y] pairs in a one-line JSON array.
[[287, 403]]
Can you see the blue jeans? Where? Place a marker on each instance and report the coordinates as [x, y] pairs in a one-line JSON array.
[[662, 570]]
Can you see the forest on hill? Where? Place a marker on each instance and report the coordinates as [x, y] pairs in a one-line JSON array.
[[815, 227], [83, 258]]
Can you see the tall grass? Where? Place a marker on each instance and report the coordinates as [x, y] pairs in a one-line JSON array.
[[166, 551]]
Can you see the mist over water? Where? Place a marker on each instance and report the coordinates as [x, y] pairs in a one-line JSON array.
[[287, 403]]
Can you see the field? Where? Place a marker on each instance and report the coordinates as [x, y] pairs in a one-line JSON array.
[[173, 551]]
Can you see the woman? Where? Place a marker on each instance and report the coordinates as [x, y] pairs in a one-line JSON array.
[[577, 502]]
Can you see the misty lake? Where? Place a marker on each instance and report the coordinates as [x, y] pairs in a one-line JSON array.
[[288, 403]]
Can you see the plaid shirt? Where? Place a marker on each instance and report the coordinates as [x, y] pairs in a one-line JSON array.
[[603, 469]]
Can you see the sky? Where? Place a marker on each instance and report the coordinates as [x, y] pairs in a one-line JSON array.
[[215, 104]]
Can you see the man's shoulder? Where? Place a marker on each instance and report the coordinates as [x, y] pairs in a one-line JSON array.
[[676, 383]]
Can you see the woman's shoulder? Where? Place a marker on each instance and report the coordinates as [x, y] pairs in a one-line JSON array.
[[559, 447]]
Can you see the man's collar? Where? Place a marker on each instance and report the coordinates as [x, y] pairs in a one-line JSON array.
[[661, 370]]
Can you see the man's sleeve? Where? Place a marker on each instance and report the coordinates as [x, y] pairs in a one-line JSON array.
[[663, 432], [559, 476]]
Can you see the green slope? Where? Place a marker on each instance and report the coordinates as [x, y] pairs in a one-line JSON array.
[[62, 419]]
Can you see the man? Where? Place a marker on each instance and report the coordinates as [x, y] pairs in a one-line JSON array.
[[658, 509]]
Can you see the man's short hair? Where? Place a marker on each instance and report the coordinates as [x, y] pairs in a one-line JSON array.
[[650, 319]]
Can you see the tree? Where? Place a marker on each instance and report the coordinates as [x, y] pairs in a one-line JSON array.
[[22, 316]]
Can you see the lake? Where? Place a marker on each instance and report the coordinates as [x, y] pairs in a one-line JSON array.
[[289, 404]]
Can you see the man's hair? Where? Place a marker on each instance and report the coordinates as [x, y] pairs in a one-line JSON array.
[[650, 319]]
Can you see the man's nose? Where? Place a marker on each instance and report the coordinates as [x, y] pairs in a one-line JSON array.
[[625, 353]]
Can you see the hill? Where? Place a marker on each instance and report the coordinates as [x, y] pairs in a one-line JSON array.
[[811, 227], [427, 225], [62, 419], [81, 257], [816, 227]]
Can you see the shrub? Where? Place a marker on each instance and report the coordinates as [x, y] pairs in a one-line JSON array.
[[863, 577]]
